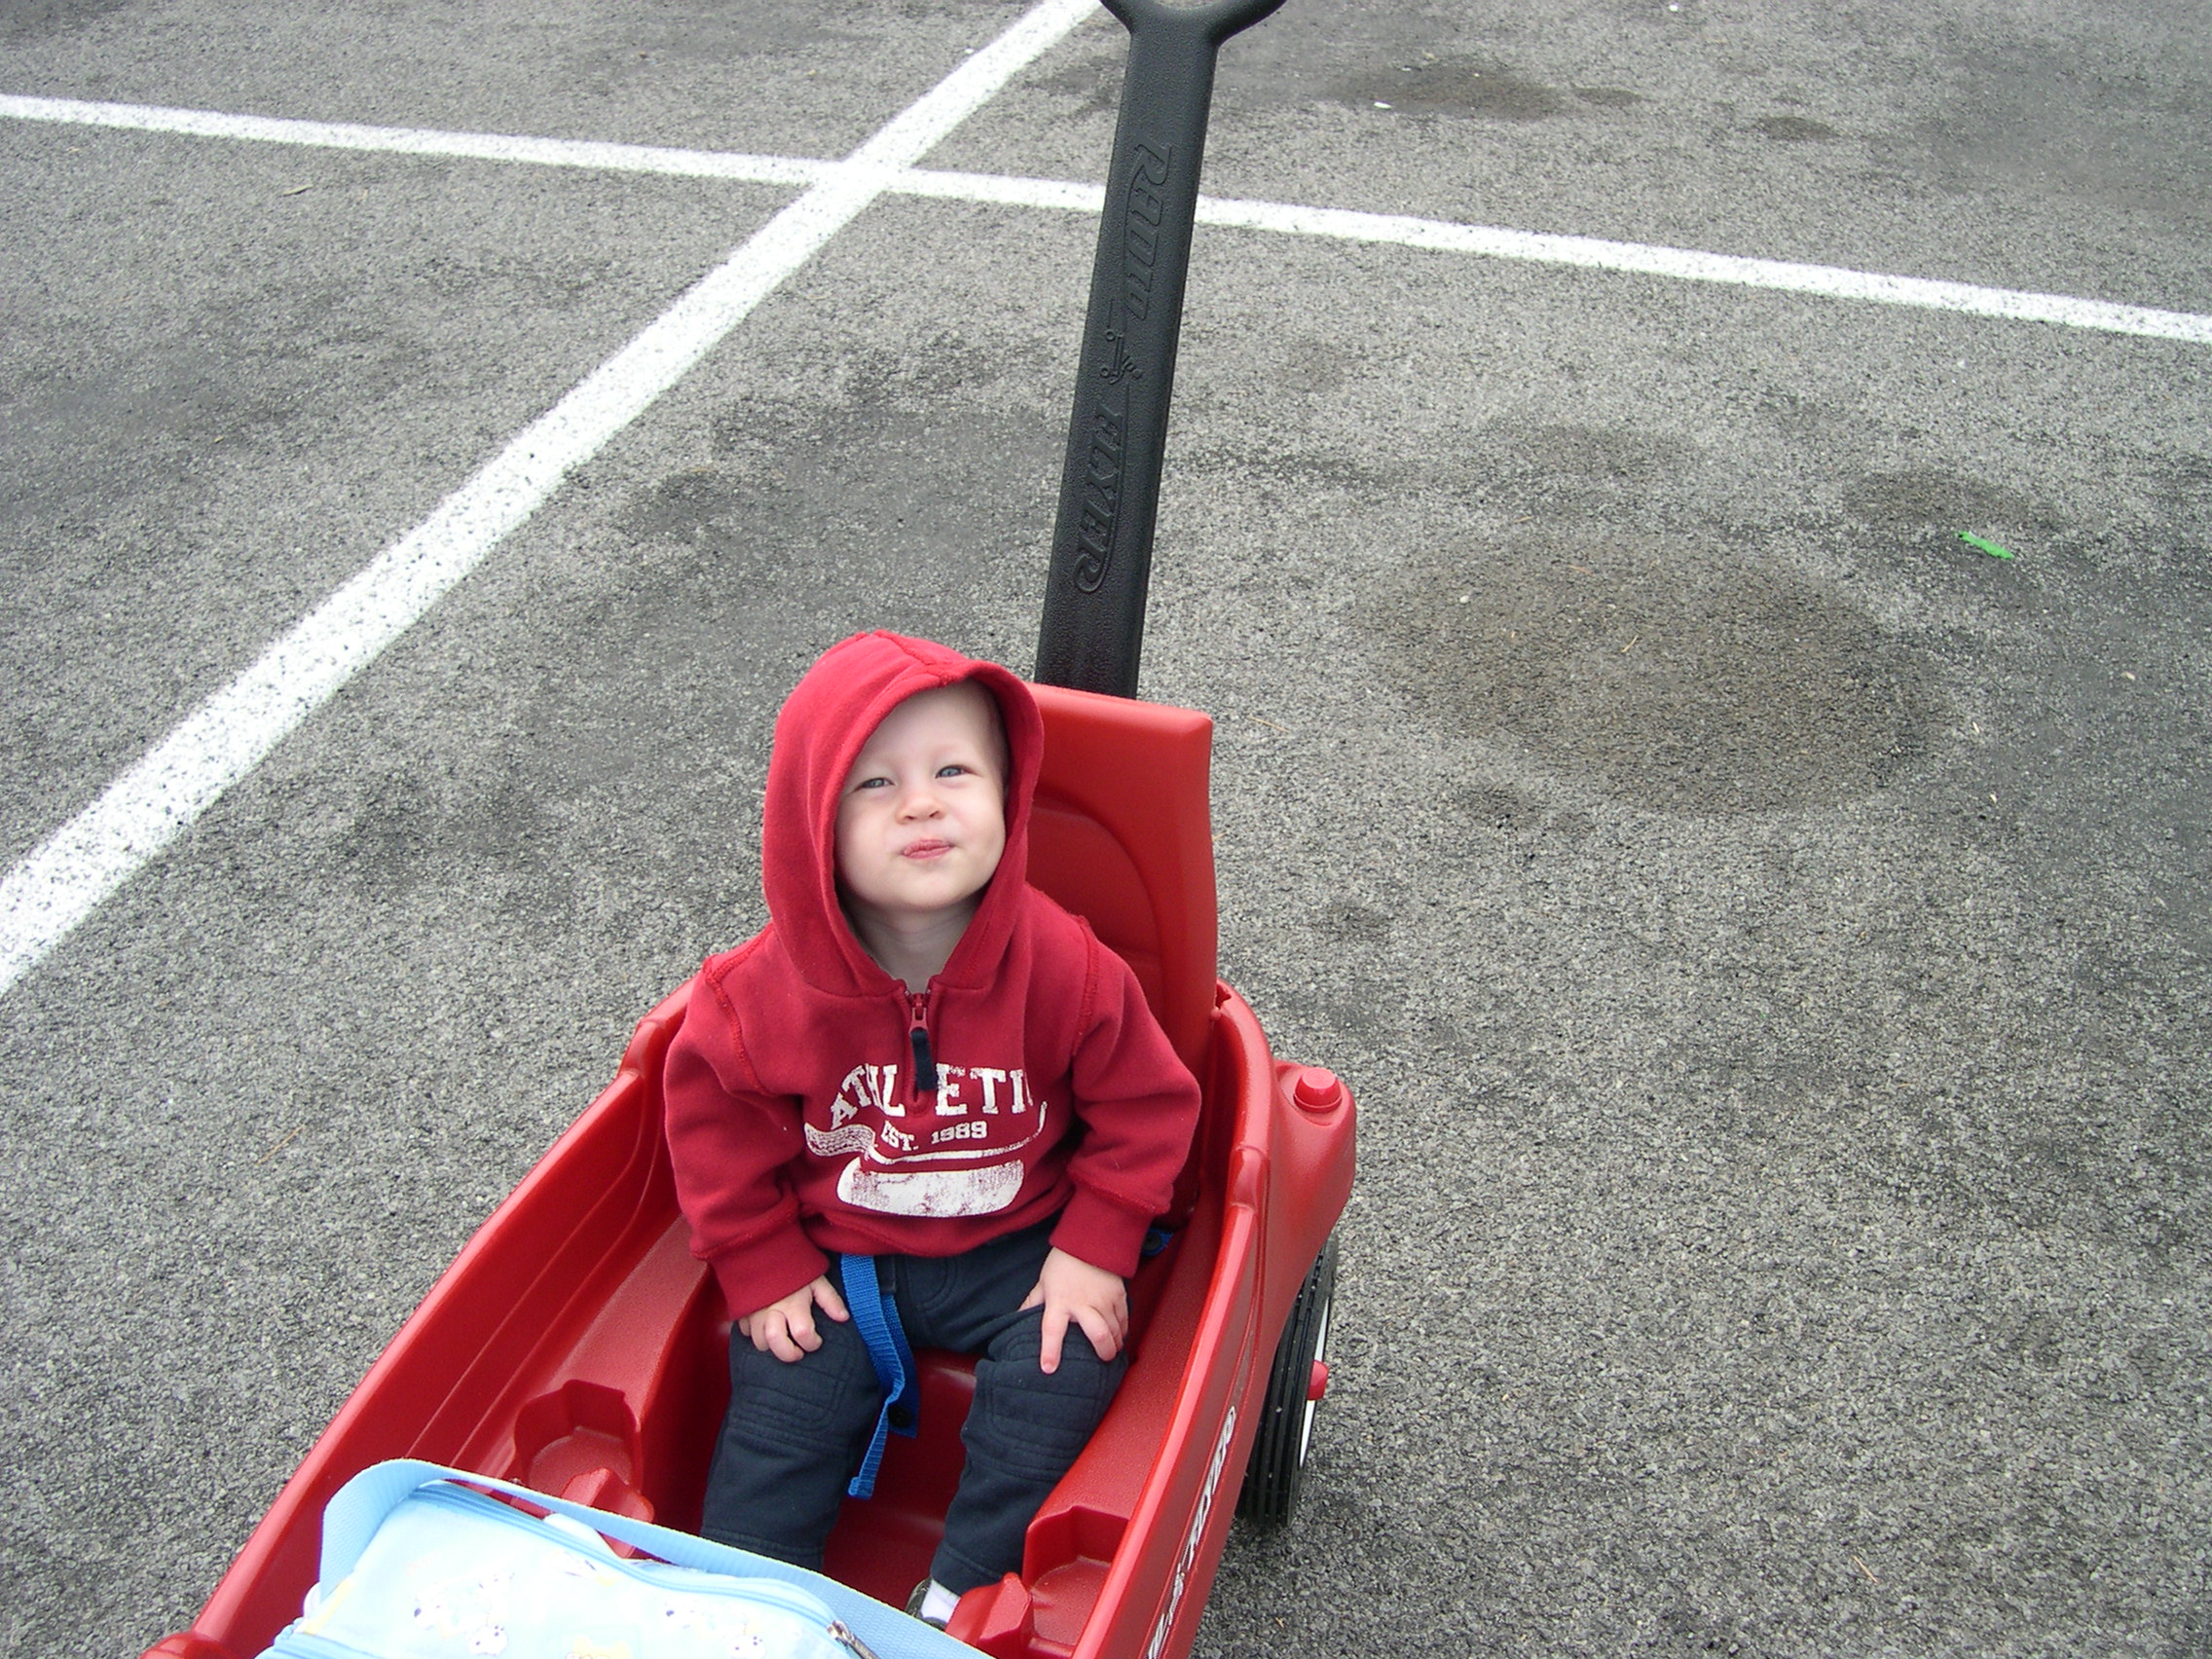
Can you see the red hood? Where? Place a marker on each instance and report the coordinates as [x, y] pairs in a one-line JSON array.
[[827, 716]]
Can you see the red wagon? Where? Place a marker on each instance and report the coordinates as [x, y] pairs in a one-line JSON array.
[[577, 1346]]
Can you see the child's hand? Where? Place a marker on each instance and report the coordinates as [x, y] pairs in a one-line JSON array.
[[785, 1328], [1071, 1288]]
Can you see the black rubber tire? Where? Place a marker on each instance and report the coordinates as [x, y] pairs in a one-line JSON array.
[[1277, 1469]]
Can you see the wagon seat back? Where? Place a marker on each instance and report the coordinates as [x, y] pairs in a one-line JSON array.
[[1123, 837]]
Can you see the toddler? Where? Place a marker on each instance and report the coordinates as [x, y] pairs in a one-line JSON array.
[[926, 1073]]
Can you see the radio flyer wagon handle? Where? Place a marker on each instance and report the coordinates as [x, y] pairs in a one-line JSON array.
[[1095, 595]]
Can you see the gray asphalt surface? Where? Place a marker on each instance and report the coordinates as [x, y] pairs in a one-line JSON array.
[[1767, 935]]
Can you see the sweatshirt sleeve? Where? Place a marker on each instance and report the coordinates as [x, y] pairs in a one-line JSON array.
[[728, 1141], [1139, 1106]]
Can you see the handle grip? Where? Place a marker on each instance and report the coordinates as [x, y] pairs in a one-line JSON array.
[[1092, 632], [1218, 19]]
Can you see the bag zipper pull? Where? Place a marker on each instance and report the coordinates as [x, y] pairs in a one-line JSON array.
[[918, 1033], [841, 1634]]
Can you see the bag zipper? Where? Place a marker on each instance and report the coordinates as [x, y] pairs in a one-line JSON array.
[[791, 1598]]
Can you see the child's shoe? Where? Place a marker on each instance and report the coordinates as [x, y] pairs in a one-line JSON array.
[[931, 1603]]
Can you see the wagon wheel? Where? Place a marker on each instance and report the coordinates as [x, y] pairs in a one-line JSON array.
[[1277, 1469]]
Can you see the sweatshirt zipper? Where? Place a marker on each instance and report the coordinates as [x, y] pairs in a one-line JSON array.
[[922, 1079]]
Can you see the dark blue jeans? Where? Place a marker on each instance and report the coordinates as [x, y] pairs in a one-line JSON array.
[[796, 1432]]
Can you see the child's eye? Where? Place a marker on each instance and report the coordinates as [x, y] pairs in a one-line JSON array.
[[873, 783], [954, 770]]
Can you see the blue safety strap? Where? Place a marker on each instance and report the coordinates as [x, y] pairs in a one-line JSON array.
[[359, 1507], [877, 1321]]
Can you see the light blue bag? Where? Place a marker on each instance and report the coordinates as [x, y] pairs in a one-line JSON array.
[[415, 1567]]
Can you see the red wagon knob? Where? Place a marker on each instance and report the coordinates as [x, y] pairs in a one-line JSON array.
[[1317, 1089], [1317, 1385]]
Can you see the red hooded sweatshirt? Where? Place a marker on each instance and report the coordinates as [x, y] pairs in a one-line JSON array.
[[795, 1118]]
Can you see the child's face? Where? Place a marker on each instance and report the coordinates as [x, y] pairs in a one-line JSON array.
[[921, 821]]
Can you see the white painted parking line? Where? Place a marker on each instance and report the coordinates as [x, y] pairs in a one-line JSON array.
[[1441, 235], [1689, 265], [420, 141], [65, 877]]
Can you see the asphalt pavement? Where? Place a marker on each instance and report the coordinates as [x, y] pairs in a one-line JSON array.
[[1765, 932]]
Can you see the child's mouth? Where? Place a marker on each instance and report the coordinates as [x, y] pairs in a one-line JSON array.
[[925, 849]]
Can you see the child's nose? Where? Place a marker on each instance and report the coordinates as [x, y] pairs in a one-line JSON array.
[[919, 800]]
